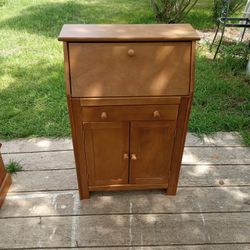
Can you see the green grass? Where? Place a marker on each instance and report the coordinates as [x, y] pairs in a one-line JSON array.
[[32, 93], [13, 167]]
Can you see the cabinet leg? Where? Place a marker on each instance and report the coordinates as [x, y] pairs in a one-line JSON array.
[[171, 191], [84, 195]]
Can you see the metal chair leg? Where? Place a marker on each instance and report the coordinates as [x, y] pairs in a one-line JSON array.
[[243, 34], [216, 33], [222, 34]]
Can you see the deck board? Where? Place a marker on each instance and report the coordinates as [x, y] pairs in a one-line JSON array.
[[120, 230], [205, 215], [191, 176], [192, 247], [192, 155], [188, 200], [47, 144]]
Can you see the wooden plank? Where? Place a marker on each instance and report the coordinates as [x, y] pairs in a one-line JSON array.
[[197, 175], [128, 32], [212, 175], [40, 144], [192, 155], [129, 101], [44, 180], [49, 144], [125, 230], [188, 200], [43, 160], [221, 139], [216, 155], [192, 247]]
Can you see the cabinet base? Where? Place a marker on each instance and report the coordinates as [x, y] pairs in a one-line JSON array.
[[127, 187], [4, 188]]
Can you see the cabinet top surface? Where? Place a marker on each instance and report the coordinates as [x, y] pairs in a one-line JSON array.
[[128, 32]]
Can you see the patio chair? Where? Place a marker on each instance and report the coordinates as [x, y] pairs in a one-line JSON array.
[[225, 21]]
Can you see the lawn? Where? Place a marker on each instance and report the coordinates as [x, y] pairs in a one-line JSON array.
[[32, 95]]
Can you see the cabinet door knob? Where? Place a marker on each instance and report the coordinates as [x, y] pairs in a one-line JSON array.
[[125, 156], [131, 52], [133, 157], [104, 115], [156, 114]]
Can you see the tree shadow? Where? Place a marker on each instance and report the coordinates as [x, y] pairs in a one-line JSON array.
[[47, 19], [34, 104]]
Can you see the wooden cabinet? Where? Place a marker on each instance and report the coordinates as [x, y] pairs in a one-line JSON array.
[[5, 180], [129, 91]]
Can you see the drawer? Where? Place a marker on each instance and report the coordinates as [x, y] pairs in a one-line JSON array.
[[130, 69], [125, 113]]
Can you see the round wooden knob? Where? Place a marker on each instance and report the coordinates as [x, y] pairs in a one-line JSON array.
[[104, 115], [133, 157], [125, 156], [156, 114], [131, 52]]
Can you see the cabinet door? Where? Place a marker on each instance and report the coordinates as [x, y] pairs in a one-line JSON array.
[[151, 151], [107, 148]]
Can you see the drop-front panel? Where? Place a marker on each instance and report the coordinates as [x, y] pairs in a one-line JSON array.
[[129, 91]]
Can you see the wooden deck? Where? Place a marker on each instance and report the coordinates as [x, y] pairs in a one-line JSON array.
[[211, 209]]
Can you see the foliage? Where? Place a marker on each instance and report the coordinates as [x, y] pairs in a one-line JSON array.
[[32, 94], [235, 56], [2, 3], [234, 6], [172, 11], [13, 167]]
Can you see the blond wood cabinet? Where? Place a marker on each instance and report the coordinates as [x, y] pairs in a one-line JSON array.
[[129, 90]]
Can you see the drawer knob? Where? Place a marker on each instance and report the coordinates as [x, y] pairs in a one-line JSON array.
[[133, 157], [125, 156], [131, 52], [104, 115], [156, 114]]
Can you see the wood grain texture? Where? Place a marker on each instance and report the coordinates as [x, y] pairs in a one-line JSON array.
[[106, 69], [192, 68], [127, 32], [188, 200], [5, 180], [125, 230], [181, 130], [106, 145], [123, 101], [191, 176], [152, 144], [66, 68], [124, 73], [78, 143], [129, 113]]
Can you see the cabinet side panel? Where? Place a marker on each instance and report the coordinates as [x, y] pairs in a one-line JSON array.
[[66, 68], [181, 131], [192, 73], [5, 181], [2, 170], [80, 159]]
